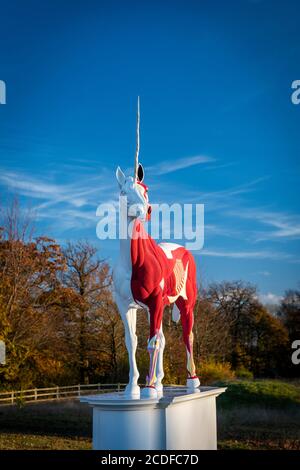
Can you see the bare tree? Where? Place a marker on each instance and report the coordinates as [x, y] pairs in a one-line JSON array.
[[237, 304], [289, 312]]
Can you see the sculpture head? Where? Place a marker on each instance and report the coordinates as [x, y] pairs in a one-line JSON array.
[[136, 192], [133, 188]]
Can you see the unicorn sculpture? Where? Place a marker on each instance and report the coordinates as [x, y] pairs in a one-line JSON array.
[[150, 275]]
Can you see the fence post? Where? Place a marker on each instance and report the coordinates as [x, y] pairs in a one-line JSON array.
[[79, 390], [119, 387], [12, 397], [98, 387], [57, 392], [35, 394]]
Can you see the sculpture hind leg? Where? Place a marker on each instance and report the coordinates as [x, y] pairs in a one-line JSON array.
[[159, 366], [187, 321]]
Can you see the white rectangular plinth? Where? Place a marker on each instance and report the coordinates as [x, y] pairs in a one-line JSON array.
[[179, 420]]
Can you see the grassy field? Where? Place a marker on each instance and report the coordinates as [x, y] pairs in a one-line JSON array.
[[262, 414], [251, 415]]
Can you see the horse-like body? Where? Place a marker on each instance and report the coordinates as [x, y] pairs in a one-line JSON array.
[[152, 276]]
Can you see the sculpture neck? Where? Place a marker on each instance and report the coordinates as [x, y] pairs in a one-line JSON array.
[[125, 243]]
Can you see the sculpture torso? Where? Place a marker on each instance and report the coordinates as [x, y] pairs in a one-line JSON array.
[[157, 268]]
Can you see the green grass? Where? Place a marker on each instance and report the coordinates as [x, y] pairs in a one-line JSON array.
[[260, 414], [269, 393]]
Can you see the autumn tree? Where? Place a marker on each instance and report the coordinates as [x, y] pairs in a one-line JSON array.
[[92, 325], [30, 294], [267, 345], [237, 304]]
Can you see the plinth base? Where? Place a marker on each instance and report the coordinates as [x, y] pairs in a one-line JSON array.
[[179, 420]]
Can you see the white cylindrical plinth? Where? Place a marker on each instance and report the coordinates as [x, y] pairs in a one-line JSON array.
[[178, 420]]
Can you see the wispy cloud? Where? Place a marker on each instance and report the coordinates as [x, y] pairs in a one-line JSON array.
[[224, 199], [271, 255], [77, 193], [215, 200], [285, 225], [29, 186], [75, 202], [221, 165], [169, 166], [221, 230], [68, 219], [240, 189]]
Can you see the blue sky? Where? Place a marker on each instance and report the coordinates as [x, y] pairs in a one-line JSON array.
[[215, 82]]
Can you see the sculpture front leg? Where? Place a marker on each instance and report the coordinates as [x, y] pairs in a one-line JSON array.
[[128, 315], [132, 389]]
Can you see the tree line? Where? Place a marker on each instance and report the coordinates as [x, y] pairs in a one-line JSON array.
[[61, 326]]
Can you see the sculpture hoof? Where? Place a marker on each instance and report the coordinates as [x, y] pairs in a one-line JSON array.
[[160, 390], [192, 383], [132, 391], [149, 392], [159, 387]]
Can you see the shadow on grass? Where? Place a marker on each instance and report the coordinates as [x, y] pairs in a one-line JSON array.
[[65, 418]]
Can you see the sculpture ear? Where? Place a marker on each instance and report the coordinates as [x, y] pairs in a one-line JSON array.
[[140, 173], [120, 176]]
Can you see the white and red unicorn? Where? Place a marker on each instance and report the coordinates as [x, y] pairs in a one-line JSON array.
[[150, 275]]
